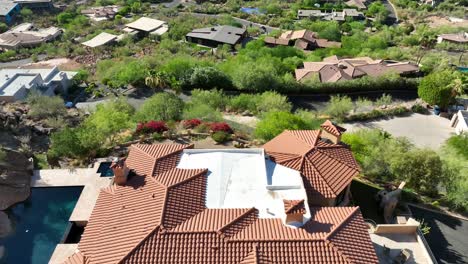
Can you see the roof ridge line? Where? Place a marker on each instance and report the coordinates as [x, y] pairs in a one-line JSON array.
[[295, 155], [221, 229], [353, 212], [300, 139], [202, 171], [319, 173]]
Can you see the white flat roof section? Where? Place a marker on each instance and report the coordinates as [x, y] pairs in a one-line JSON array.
[[99, 40], [244, 179], [146, 24]]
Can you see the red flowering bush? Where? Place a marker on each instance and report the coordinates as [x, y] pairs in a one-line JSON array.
[[224, 127], [151, 127], [192, 123]]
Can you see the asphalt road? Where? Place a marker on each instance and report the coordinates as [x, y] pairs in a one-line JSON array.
[[392, 14], [448, 237], [244, 22]]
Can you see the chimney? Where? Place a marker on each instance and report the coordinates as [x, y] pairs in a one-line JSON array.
[[295, 211], [120, 171], [331, 131]]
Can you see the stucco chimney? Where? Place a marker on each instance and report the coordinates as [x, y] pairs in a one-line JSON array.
[[295, 211], [120, 171]]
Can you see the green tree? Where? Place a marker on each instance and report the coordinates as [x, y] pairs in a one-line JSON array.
[[109, 119], [161, 106], [276, 122], [215, 99], [208, 78], [3, 27], [436, 88], [26, 13], [65, 143], [422, 169]]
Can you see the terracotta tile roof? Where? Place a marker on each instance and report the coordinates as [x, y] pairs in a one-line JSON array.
[[162, 218], [332, 128], [327, 168], [294, 206]]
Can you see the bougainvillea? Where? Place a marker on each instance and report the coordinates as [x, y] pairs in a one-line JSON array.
[[192, 123], [224, 127], [151, 127]]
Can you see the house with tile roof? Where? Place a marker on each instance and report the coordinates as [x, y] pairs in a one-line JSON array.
[[171, 203], [334, 69], [301, 39]]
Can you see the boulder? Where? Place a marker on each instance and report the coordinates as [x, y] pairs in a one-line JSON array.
[[15, 178]]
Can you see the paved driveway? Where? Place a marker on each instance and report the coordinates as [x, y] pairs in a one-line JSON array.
[[423, 130]]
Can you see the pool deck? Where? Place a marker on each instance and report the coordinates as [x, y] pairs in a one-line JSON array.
[[92, 183], [62, 252]]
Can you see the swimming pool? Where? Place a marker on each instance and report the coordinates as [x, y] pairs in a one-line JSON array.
[[105, 170], [38, 224]]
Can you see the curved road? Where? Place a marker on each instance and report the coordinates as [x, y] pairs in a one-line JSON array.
[[392, 18]]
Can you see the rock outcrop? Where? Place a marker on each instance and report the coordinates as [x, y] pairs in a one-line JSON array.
[[15, 178]]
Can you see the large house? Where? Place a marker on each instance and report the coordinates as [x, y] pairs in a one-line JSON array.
[[147, 26], [301, 39], [217, 35], [101, 13], [334, 69], [171, 203], [339, 16], [26, 36], [15, 84], [8, 11]]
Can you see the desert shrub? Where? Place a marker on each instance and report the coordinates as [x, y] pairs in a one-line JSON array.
[[42, 106], [216, 99], [273, 101], [191, 123], [418, 108], [221, 126], [161, 106], [203, 112], [243, 102], [151, 127], [374, 114], [313, 122], [202, 128], [385, 99], [276, 122], [339, 106], [220, 136]]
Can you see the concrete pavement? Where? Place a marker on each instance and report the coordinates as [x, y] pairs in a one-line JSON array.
[[423, 130]]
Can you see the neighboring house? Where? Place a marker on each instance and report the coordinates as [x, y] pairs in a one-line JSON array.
[[8, 11], [460, 121], [101, 13], [458, 38], [359, 4], [332, 16], [170, 203], [35, 4], [147, 26], [15, 84], [101, 39], [333, 69], [301, 39], [26, 36], [217, 35]]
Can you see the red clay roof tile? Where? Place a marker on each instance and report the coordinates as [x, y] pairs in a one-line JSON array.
[[294, 206], [327, 168], [163, 219]]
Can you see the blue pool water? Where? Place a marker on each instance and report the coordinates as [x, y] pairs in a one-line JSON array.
[[251, 10], [38, 225], [463, 69], [105, 170]]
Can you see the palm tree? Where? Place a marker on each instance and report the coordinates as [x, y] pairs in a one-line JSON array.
[[157, 80], [458, 85]]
